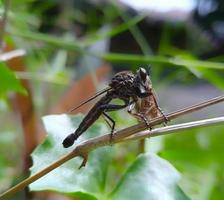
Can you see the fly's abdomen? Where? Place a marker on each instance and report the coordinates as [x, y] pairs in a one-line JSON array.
[[88, 120]]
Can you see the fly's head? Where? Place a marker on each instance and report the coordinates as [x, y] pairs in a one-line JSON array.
[[142, 83]]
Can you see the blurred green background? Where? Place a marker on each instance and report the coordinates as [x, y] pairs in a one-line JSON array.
[[55, 54]]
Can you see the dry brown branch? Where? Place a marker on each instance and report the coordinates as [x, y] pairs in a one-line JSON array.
[[174, 128], [12, 54], [85, 147]]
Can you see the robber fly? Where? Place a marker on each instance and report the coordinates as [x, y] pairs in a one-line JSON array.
[[124, 85]]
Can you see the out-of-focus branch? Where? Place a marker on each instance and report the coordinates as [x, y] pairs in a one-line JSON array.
[[12, 54], [85, 147]]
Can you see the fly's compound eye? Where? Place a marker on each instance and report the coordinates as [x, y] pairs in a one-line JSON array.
[[143, 77], [142, 83]]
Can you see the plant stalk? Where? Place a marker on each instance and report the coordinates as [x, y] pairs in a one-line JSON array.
[[120, 136]]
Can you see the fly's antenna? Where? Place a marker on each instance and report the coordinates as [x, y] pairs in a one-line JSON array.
[[90, 99]]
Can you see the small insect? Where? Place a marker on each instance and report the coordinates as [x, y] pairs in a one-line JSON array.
[[124, 85], [147, 108]]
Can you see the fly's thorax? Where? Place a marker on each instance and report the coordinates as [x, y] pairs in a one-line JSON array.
[[123, 84], [124, 78]]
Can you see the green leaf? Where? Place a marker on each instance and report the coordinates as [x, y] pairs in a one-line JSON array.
[[85, 183], [176, 61], [198, 153], [215, 78], [9, 82], [149, 178], [50, 39]]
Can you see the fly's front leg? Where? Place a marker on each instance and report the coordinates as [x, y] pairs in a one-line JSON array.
[[160, 110], [164, 116]]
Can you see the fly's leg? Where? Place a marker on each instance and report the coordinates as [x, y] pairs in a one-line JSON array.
[[112, 107], [107, 117], [106, 120], [137, 115], [140, 116], [160, 110], [164, 116]]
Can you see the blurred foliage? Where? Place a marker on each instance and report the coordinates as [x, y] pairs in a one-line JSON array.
[[144, 179], [9, 82], [58, 34]]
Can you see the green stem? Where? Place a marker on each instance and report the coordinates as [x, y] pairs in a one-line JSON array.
[[3, 22]]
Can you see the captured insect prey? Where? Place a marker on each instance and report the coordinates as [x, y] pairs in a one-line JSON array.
[[135, 90], [147, 108]]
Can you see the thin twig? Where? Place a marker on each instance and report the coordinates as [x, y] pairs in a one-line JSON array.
[[120, 136], [3, 23], [141, 126], [172, 128]]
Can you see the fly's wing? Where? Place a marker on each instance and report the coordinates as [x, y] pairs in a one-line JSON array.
[[90, 99]]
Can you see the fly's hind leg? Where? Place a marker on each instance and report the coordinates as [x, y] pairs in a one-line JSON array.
[[112, 125]]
